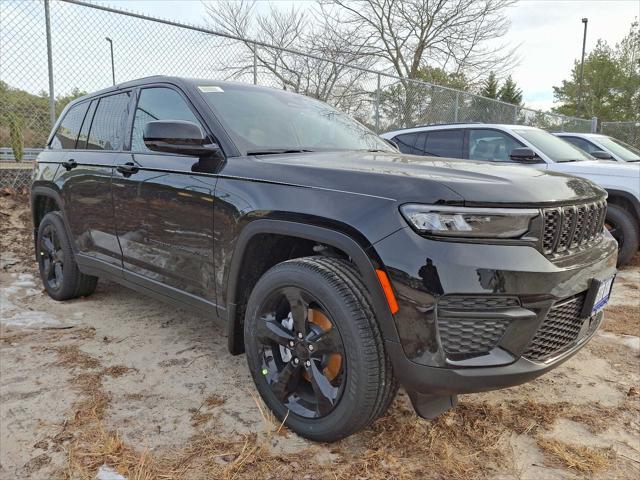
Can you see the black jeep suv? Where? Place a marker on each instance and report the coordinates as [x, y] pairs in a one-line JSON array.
[[341, 267]]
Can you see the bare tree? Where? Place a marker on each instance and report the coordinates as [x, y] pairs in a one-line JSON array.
[[458, 36], [318, 37]]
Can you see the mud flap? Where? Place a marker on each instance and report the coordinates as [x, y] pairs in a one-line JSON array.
[[430, 406]]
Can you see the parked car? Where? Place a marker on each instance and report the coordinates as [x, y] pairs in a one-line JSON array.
[[341, 267], [517, 144], [602, 147]]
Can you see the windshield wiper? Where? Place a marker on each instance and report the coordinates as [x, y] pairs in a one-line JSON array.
[[276, 151]]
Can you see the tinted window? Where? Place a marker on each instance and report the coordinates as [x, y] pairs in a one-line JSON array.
[[158, 104], [107, 127], [84, 131], [67, 132], [581, 143], [444, 143], [491, 145], [406, 142]]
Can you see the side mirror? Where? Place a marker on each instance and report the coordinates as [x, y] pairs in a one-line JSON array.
[[178, 136], [524, 154], [601, 155]]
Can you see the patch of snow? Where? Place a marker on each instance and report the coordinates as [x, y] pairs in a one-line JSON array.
[[13, 315], [107, 473], [629, 341]]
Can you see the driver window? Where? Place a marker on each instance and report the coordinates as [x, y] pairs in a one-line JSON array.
[[491, 145], [158, 103]]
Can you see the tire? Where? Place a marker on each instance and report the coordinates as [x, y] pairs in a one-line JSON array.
[[624, 228], [364, 387], [58, 268]]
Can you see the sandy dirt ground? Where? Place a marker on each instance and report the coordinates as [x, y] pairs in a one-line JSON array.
[[117, 386]]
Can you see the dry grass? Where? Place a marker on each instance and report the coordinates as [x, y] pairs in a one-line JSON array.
[[575, 457], [623, 319]]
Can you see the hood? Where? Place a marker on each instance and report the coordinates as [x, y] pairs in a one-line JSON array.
[[599, 167], [409, 178]]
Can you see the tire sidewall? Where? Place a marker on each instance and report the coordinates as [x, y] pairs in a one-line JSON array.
[[625, 221], [67, 289], [287, 275]]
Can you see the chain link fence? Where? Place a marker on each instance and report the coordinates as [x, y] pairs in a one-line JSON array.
[[628, 132], [39, 77]]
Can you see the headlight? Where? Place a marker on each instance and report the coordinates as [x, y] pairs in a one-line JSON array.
[[468, 222]]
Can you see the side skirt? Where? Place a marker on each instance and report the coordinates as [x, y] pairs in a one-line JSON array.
[[148, 287]]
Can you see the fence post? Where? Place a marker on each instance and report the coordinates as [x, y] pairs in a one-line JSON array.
[[594, 124], [255, 64], [52, 100], [515, 114], [457, 106], [378, 105], [562, 123]]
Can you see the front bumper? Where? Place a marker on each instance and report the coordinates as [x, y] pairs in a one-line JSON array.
[[469, 313]]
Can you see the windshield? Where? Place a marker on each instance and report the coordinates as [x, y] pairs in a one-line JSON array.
[[555, 148], [623, 150], [263, 121]]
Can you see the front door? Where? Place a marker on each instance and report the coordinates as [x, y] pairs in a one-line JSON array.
[[164, 205]]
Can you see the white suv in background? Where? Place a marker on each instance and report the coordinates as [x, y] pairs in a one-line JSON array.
[[534, 147], [602, 146]]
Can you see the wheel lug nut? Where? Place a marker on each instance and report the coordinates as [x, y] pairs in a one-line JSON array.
[[292, 343], [296, 361], [300, 335], [308, 363], [311, 348]]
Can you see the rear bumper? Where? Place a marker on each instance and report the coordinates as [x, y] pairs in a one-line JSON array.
[[469, 313]]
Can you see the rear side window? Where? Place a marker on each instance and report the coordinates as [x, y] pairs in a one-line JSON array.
[[444, 143], [67, 133], [158, 103], [107, 127], [412, 143]]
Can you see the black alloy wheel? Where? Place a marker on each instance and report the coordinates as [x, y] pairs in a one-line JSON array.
[[314, 348], [51, 258], [301, 352], [58, 268]]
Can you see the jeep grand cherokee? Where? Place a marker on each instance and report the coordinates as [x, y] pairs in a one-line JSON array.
[[341, 267]]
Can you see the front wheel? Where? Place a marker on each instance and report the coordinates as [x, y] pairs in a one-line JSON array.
[[624, 228], [314, 348]]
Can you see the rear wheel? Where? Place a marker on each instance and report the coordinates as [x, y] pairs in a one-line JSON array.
[[58, 269], [315, 350], [624, 228]]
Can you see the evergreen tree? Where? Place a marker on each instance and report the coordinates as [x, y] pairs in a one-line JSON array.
[[509, 92], [490, 86]]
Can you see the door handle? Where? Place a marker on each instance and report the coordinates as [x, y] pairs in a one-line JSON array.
[[127, 168], [69, 164]]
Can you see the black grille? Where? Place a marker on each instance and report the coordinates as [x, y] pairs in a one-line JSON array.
[[466, 302], [461, 336], [570, 227], [559, 329]]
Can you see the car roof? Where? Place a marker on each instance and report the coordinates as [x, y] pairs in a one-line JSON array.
[[178, 81], [455, 126], [580, 134]]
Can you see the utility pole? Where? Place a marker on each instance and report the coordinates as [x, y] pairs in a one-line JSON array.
[[584, 42], [113, 71]]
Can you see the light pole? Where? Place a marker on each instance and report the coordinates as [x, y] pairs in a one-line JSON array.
[[113, 71], [584, 42]]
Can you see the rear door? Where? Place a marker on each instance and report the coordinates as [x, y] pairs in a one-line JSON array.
[[89, 154], [164, 204]]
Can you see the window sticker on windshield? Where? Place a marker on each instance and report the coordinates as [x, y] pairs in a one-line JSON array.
[[209, 89]]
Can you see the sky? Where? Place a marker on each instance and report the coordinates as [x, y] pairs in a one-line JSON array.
[[549, 33]]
